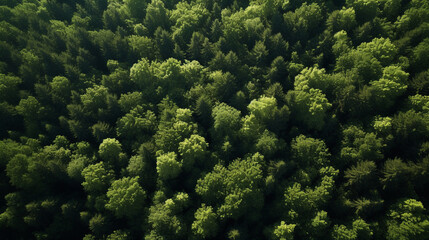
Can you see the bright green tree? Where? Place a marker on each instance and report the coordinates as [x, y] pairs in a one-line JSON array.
[[192, 149], [236, 189], [97, 178], [109, 150], [408, 221], [205, 224], [226, 120], [308, 152], [168, 166], [126, 197], [310, 107], [284, 231]]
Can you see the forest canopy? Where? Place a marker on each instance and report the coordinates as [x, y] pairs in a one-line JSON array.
[[204, 119]]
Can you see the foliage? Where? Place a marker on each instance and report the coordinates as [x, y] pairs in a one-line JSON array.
[[205, 224], [97, 178], [203, 119], [167, 166], [238, 187], [126, 197], [408, 221], [284, 231]]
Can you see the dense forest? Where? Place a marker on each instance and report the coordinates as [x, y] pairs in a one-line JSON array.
[[205, 119]]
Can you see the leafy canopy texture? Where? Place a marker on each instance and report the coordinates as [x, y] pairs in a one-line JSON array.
[[126, 197], [214, 119]]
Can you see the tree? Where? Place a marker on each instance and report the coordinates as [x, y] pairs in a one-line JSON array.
[[366, 207], [187, 18], [235, 189], [97, 178], [390, 86], [391, 9], [259, 54], [420, 55], [136, 8], [29, 172], [141, 73], [284, 231], [205, 224], [342, 43], [101, 130], [226, 120], [215, 30], [109, 150], [278, 72], [310, 107], [61, 89], [143, 47], [174, 129], [319, 225], [268, 113], [192, 149], [118, 235], [308, 152], [313, 78], [156, 16], [366, 10], [17, 171], [344, 19], [164, 217], [10, 118], [268, 144], [165, 42], [302, 204], [99, 225], [31, 66], [114, 16], [383, 125], [193, 73], [223, 85], [29, 108], [126, 197], [136, 124], [304, 21], [407, 221], [169, 78], [381, 48], [195, 46], [244, 26], [129, 101], [359, 230], [9, 88], [167, 166], [95, 98], [137, 166], [358, 145], [361, 177], [409, 129], [397, 177], [76, 166]]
